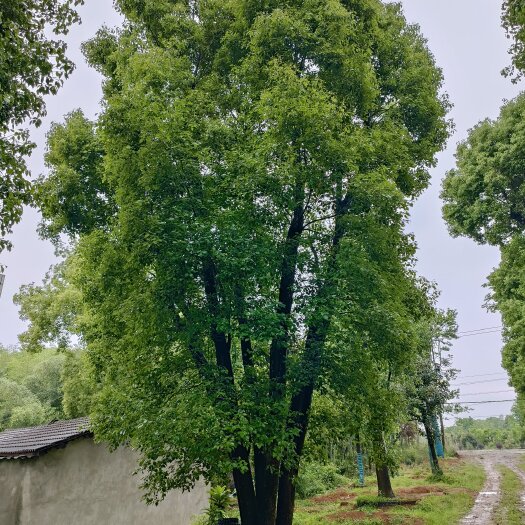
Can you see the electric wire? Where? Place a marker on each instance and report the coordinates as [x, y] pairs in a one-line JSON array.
[[491, 392], [480, 329], [480, 382]]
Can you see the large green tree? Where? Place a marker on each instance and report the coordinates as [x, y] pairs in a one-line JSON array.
[[484, 199], [32, 65], [247, 184]]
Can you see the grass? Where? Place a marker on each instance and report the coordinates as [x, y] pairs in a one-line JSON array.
[[508, 511], [438, 501]]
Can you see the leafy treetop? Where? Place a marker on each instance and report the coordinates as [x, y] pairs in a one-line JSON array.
[[33, 65]]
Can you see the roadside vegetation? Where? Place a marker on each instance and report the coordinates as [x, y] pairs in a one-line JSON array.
[[428, 500], [494, 432], [509, 510]]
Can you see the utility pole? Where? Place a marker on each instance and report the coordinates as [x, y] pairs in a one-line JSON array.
[[2, 279]]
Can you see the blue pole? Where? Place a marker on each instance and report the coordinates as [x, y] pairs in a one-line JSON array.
[[440, 452], [360, 468]]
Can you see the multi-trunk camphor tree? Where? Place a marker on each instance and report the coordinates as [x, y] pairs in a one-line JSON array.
[[32, 65], [245, 187], [485, 200]]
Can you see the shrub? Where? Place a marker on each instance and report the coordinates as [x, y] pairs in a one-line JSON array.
[[315, 478], [414, 455]]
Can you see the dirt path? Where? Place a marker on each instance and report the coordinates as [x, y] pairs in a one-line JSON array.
[[488, 498]]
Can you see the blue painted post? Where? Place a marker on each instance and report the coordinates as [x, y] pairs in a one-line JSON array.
[[360, 466], [440, 452]]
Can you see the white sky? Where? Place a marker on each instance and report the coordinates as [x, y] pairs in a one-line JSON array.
[[469, 45]]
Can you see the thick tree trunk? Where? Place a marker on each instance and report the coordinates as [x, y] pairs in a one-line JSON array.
[[384, 486], [286, 502], [266, 485], [434, 462], [245, 489]]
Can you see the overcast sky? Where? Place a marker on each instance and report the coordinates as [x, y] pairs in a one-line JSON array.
[[471, 48]]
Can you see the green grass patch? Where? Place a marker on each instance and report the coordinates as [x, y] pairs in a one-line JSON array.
[[508, 511], [374, 501], [441, 501]]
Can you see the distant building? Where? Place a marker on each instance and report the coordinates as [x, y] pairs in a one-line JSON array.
[[56, 475]]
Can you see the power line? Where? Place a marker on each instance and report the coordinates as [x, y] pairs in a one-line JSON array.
[[481, 402], [483, 375], [480, 329], [492, 392], [478, 417], [480, 382], [479, 333]]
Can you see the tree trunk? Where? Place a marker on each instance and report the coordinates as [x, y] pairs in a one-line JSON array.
[[434, 462], [286, 502], [245, 496], [384, 487], [266, 485]]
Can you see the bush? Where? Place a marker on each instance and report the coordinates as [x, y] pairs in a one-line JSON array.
[[220, 501], [413, 455], [315, 478]]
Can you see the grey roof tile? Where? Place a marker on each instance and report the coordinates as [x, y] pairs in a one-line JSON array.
[[33, 441]]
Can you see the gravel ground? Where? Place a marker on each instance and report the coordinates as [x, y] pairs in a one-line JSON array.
[[488, 498]]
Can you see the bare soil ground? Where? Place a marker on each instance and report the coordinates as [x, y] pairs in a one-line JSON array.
[[487, 500]]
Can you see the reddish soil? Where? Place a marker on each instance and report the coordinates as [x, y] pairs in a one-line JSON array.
[[334, 497], [422, 490], [355, 515]]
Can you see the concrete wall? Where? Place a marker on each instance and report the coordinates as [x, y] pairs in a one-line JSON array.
[[85, 484]]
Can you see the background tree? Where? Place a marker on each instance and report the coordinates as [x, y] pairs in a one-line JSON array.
[[247, 183], [484, 199], [492, 432], [513, 18], [427, 383], [33, 65], [31, 387]]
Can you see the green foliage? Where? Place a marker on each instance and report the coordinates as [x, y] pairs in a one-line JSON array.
[[484, 196], [220, 500], [494, 432], [51, 309], [33, 65], [237, 214], [484, 199], [78, 384], [19, 407], [317, 478], [45, 381], [416, 454], [428, 379], [39, 387], [513, 19]]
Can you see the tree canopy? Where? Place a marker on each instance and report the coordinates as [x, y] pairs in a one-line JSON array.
[[484, 196], [32, 65], [237, 212], [484, 199], [513, 18]]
